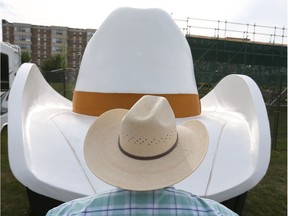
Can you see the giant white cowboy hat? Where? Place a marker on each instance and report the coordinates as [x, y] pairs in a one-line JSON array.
[[135, 52]]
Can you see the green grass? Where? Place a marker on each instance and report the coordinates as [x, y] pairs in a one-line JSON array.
[[268, 198], [13, 195], [66, 91]]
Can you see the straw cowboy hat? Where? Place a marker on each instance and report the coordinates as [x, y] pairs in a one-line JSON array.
[[143, 149], [135, 52]]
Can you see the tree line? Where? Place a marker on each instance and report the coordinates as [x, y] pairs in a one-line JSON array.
[[57, 61]]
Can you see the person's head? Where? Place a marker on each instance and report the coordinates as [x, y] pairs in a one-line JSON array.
[[143, 148]]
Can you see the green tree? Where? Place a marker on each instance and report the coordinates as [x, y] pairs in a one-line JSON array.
[[55, 62], [25, 57]]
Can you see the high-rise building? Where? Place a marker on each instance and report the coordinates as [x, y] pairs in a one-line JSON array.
[[41, 42]]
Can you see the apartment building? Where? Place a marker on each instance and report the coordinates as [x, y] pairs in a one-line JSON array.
[[41, 42]]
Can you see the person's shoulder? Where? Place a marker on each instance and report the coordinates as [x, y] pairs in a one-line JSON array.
[[209, 206], [81, 205], [223, 210]]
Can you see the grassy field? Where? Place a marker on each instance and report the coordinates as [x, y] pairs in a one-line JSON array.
[[13, 195], [268, 198]]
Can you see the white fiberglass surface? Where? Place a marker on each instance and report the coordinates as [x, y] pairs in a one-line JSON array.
[[229, 160], [53, 161]]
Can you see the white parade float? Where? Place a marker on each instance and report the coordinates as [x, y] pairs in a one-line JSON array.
[[135, 52]]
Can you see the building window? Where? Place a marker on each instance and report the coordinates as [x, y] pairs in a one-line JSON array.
[[56, 49], [22, 29], [59, 32], [22, 38], [57, 40]]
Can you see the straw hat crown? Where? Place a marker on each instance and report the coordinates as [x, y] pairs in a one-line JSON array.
[[149, 129]]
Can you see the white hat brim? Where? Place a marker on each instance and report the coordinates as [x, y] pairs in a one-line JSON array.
[[46, 140]]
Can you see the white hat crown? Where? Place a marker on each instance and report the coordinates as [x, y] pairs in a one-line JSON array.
[[137, 51]]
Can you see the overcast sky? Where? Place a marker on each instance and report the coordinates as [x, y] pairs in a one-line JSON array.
[[90, 14]]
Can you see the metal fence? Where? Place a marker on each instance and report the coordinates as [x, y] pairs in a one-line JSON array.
[[63, 81], [272, 82], [226, 29]]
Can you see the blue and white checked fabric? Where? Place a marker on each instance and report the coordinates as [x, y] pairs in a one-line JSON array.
[[166, 201]]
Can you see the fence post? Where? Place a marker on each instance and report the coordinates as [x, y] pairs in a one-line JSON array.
[[64, 83], [218, 29], [276, 116]]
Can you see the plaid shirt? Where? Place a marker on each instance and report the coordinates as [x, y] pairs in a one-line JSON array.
[[167, 201]]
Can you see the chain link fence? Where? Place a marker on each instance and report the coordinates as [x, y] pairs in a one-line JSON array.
[[272, 82]]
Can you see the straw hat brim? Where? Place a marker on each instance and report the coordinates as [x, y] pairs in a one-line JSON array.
[[107, 161]]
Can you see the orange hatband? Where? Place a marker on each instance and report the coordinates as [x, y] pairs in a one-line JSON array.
[[95, 103]]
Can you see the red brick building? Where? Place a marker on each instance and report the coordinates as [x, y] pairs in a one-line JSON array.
[[41, 42]]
